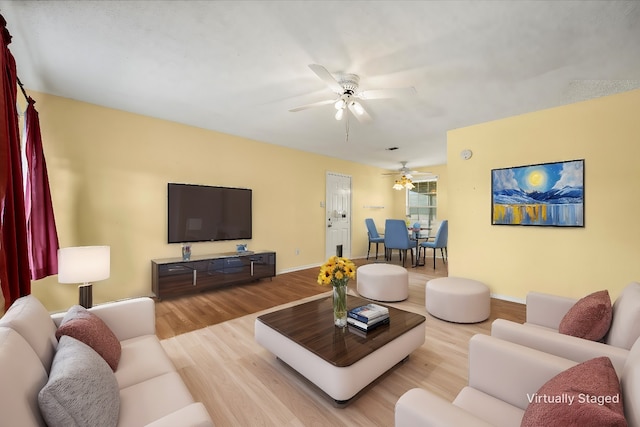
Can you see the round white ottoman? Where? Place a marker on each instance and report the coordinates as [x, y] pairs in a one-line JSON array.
[[458, 300], [383, 282]]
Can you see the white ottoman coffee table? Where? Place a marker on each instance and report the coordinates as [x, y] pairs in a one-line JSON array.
[[383, 282], [339, 362], [459, 300]]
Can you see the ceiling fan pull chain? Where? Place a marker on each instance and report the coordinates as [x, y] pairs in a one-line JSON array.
[[346, 125]]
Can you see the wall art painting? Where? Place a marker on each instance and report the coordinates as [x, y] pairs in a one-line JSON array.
[[547, 194]]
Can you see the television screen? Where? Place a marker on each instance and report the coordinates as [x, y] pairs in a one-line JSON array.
[[200, 213]]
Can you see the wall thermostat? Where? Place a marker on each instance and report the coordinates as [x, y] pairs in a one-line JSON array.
[[466, 154]]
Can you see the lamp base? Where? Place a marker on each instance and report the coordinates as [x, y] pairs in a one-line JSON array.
[[86, 295]]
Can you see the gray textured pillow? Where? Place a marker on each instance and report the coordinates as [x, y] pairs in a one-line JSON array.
[[82, 389]]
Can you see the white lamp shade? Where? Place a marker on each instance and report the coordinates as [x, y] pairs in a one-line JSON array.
[[84, 264]]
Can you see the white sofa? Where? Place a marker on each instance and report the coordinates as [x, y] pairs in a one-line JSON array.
[[546, 311], [151, 392], [502, 377]]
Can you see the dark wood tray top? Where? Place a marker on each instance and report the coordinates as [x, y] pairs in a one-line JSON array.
[[311, 325]]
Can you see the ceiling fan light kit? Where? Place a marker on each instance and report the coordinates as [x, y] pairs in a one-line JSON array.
[[347, 101], [403, 183]]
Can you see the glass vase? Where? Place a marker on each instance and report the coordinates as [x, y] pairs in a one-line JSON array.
[[340, 305]]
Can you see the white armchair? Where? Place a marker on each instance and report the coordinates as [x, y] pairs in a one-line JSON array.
[[544, 313], [502, 377]]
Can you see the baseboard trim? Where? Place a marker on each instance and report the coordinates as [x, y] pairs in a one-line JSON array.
[[508, 298], [304, 267], [298, 268]]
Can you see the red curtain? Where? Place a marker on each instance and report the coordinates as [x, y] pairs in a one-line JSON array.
[[42, 236], [14, 261]]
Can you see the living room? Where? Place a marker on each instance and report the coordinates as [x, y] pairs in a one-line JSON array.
[[109, 169]]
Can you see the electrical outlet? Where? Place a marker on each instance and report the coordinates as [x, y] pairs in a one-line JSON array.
[[297, 251]]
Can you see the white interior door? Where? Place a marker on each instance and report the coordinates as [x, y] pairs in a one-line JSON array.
[[338, 218]]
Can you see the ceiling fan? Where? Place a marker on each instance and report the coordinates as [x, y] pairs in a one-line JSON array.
[[405, 180], [348, 94], [404, 170]]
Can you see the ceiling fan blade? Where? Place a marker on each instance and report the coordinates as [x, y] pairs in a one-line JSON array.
[[408, 174], [327, 77], [387, 93], [315, 104], [404, 170], [359, 112]]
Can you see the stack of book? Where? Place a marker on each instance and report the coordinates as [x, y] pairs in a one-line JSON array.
[[368, 317]]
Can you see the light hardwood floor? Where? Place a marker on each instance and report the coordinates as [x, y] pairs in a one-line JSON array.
[[242, 384]]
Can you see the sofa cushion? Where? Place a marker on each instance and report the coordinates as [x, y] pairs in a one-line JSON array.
[[85, 326], [625, 326], [195, 415], [82, 389], [159, 396], [589, 318], [28, 317], [142, 358], [494, 411], [585, 394], [21, 378], [630, 384]]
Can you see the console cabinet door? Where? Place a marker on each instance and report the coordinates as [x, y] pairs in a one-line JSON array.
[[224, 271], [175, 279], [263, 265]]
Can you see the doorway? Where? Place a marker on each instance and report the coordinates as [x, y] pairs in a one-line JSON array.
[[338, 215]]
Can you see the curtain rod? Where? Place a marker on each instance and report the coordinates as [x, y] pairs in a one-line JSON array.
[[22, 89]]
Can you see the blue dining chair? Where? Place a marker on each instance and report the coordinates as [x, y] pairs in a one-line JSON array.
[[439, 242], [374, 237], [396, 236]]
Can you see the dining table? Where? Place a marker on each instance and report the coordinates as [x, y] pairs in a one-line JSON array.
[[415, 235]]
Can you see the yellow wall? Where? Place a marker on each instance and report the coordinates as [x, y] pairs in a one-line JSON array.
[[604, 254], [443, 194], [109, 170]]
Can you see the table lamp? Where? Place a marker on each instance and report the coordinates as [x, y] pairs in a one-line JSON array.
[[84, 264]]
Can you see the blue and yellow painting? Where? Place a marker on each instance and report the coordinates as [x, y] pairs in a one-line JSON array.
[[549, 194]]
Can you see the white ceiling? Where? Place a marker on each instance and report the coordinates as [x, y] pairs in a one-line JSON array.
[[239, 66]]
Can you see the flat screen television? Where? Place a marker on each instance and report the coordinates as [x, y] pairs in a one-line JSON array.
[[201, 213]]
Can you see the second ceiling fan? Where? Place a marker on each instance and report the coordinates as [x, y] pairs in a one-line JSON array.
[[406, 180], [348, 94]]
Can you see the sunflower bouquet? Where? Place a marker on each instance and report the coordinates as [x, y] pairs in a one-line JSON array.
[[336, 271]]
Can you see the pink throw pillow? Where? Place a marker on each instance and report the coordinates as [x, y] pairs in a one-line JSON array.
[[587, 394], [85, 326], [589, 318]]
